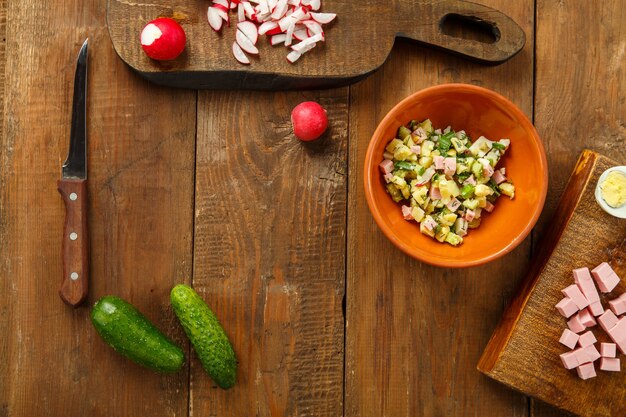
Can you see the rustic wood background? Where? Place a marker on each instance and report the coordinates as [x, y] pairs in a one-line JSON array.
[[210, 188]]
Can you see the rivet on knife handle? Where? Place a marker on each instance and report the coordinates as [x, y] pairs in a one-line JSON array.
[[75, 285]]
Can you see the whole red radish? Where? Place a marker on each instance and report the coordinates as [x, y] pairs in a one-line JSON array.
[[163, 39], [309, 121]]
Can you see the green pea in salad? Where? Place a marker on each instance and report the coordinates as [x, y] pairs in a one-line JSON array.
[[445, 181]]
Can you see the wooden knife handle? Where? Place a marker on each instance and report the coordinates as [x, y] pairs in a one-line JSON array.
[[427, 27], [75, 242]]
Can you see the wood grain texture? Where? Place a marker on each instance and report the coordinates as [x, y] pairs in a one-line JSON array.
[[524, 351], [75, 242], [414, 333], [141, 159], [353, 50], [270, 252], [581, 105]]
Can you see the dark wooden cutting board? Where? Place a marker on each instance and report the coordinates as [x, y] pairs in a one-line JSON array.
[[357, 42], [523, 352]]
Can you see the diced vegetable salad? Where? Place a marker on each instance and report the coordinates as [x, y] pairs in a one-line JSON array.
[[446, 181]]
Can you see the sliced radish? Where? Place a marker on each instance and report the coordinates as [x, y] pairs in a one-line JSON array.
[[266, 27], [240, 55], [277, 39], [280, 10], [313, 26], [315, 4], [306, 43], [233, 4], [215, 20], [290, 31], [323, 18], [241, 13], [245, 43], [249, 29], [274, 31], [223, 3], [293, 56], [222, 13], [300, 34]]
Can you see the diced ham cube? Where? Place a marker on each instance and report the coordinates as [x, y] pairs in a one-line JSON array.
[[569, 338], [435, 194], [582, 277], [592, 353], [617, 334], [566, 306], [470, 180], [449, 166], [618, 306], [607, 350], [587, 319], [586, 371], [388, 177], [608, 320], [469, 216], [575, 324], [605, 277], [419, 135], [610, 364], [489, 207], [596, 308], [586, 339], [582, 356], [438, 161], [407, 213], [576, 295], [429, 223], [416, 149], [498, 177], [453, 205], [386, 166], [569, 359]]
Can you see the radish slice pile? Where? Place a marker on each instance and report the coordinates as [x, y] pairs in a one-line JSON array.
[[294, 23]]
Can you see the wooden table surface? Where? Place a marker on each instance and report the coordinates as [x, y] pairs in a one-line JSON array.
[[210, 188]]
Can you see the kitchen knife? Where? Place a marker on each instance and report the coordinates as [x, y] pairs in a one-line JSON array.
[[73, 189]]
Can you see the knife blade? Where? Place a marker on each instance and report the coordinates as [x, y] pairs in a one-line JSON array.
[[73, 189]]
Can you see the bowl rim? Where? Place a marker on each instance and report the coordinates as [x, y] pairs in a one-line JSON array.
[[369, 192]]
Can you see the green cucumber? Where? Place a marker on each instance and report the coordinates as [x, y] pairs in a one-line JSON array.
[[206, 334], [131, 334]]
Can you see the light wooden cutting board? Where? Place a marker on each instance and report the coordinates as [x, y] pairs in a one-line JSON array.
[[523, 352]]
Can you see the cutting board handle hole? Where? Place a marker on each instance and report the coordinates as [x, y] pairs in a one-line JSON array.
[[470, 28]]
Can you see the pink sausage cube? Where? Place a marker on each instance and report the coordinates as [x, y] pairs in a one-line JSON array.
[[618, 332], [569, 360], [449, 166], [453, 205], [487, 168], [592, 353], [469, 216], [605, 277], [582, 356], [569, 338], [435, 194], [489, 207], [587, 319], [586, 339], [610, 364], [406, 212], [498, 178], [566, 306], [386, 166], [576, 295], [608, 320], [416, 149], [618, 306], [607, 350], [438, 161], [596, 308], [388, 177], [575, 324], [470, 180], [586, 371], [582, 277]]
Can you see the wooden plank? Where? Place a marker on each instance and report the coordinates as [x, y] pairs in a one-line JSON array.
[[4, 285], [208, 61], [414, 332], [524, 350], [141, 170], [579, 106], [270, 252]]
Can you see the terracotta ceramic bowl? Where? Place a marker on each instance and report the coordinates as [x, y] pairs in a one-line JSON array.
[[478, 111]]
